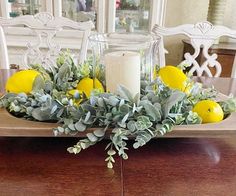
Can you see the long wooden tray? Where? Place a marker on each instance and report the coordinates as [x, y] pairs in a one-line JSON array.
[[16, 127]]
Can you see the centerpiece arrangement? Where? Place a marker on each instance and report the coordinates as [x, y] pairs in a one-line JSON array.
[[128, 98]]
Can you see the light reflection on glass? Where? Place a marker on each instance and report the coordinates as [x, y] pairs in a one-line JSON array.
[[132, 15], [79, 10], [24, 7]]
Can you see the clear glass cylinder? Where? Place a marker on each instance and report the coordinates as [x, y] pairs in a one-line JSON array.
[[124, 59]]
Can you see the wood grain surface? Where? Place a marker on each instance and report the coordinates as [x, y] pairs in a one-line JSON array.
[[42, 166], [165, 167], [182, 167]]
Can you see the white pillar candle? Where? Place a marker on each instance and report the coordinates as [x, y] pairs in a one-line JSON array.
[[123, 68]]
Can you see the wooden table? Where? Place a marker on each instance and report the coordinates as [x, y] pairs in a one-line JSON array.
[[167, 166]]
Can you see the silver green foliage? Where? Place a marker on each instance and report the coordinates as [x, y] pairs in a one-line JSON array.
[[228, 106], [120, 117]]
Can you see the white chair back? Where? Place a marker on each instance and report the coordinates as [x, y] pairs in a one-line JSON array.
[[202, 35], [44, 26]]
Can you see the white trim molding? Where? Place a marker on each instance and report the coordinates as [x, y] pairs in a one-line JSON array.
[[5, 9], [101, 11], [49, 6], [111, 15], [57, 5], [158, 11]]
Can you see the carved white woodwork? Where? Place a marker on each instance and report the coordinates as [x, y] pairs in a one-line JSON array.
[[45, 27], [201, 35]]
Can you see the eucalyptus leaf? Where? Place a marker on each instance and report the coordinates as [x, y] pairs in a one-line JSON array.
[[60, 112], [131, 125], [144, 116], [101, 102], [54, 108], [111, 152], [112, 159], [91, 137], [99, 132], [38, 83], [125, 118], [136, 145], [113, 100], [71, 127], [60, 129], [173, 99], [87, 117], [40, 115], [109, 165], [125, 108], [80, 126], [125, 93], [143, 123], [63, 73], [153, 112]]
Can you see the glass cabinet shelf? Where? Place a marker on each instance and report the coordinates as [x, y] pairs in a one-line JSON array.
[[79, 10], [132, 15], [24, 7], [107, 15]]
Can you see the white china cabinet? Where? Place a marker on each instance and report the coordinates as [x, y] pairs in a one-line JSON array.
[[108, 16]]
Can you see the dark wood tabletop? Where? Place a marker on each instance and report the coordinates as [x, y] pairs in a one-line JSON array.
[[165, 167]]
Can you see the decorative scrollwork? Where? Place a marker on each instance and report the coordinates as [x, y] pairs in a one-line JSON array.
[[45, 26], [35, 53], [210, 60], [44, 17], [204, 27], [202, 36]]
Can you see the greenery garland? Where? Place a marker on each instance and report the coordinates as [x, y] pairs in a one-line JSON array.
[[150, 114]]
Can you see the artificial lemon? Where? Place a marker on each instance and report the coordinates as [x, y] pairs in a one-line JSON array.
[[22, 81], [173, 78], [86, 85], [210, 111]]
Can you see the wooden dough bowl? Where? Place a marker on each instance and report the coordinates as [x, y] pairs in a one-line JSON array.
[[16, 127]]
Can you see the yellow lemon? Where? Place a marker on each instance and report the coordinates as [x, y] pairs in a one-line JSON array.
[[209, 110], [174, 78], [21, 81], [86, 85]]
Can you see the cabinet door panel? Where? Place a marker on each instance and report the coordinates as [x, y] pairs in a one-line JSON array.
[[82, 10], [14, 8], [75, 9], [132, 15]]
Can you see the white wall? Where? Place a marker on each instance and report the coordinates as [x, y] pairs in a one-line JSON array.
[[182, 12], [191, 11], [230, 17]]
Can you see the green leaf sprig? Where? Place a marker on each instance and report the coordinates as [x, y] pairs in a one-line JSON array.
[[118, 117]]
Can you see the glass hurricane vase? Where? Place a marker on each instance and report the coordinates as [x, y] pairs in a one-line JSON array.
[[124, 59]]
